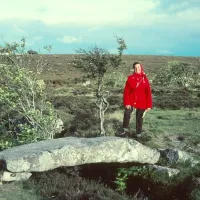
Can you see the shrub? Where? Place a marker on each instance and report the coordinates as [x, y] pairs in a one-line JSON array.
[[195, 194], [69, 185], [115, 80], [24, 98], [32, 52], [176, 73], [95, 63]]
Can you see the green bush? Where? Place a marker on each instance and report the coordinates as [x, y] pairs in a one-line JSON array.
[[115, 80], [23, 97], [95, 62], [176, 73], [124, 174], [195, 194]]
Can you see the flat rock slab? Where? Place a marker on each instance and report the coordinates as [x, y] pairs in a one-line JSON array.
[[9, 176], [72, 151], [169, 171]]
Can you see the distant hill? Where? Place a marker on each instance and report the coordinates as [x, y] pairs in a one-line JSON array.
[[59, 68]]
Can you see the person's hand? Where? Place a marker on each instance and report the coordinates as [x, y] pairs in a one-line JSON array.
[[148, 109], [128, 107], [145, 112]]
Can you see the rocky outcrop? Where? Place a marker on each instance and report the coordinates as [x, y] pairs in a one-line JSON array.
[[164, 170], [71, 151], [8, 176], [173, 156], [19, 162]]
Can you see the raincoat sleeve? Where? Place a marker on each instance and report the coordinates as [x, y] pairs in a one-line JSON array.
[[126, 96], [149, 95]]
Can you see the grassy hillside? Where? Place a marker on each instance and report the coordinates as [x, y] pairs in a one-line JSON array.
[[173, 120], [59, 68]]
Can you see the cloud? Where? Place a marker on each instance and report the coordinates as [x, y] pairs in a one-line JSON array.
[[146, 25], [94, 29], [102, 12], [69, 39], [37, 38], [30, 41], [78, 12], [99, 13], [173, 6], [29, 44], [18, 29], [42, 10]]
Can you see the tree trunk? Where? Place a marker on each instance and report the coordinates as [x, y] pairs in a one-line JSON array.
[[102, 105]]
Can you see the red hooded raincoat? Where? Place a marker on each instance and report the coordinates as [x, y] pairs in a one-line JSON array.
[[137, 91]]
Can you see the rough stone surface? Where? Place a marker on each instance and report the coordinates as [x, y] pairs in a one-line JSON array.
[[169, 171], [58, 126], [72, 151], [8, 176], [170, 155], [174, 156]]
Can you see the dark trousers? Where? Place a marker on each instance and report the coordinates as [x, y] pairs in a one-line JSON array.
[[139, 119]]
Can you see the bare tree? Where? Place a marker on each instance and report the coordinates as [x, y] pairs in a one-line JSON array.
[[95, 62]]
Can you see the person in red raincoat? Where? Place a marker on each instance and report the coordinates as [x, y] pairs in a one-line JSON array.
[[137, 94]]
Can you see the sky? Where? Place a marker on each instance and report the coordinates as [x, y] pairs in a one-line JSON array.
[[149, 27]]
